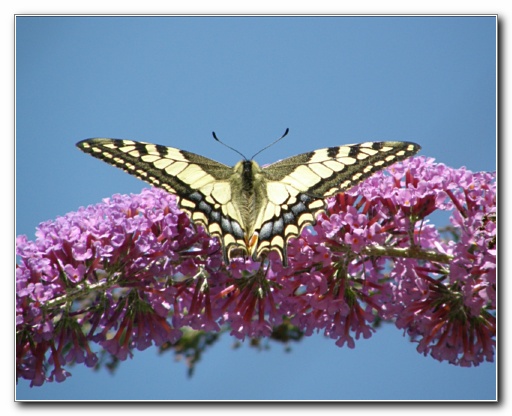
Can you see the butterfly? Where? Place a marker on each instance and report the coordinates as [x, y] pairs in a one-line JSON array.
[[251, 209]]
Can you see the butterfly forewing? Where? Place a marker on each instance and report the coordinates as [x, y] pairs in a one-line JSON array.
[[251, 209]]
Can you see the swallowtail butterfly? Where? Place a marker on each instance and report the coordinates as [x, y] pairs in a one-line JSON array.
[[251, 209]]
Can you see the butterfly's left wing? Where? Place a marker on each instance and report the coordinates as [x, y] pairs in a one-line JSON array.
[[202, 185], [296, 187]]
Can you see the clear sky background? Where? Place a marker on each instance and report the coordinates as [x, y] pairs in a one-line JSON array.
[[172, 80]]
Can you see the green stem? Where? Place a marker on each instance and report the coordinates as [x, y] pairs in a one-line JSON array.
[[410, 252], [78, 292]]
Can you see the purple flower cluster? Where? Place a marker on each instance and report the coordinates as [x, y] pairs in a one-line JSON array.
[[103, 275], [134, 271]]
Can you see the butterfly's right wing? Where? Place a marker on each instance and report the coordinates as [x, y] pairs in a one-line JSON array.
[[297, 186]]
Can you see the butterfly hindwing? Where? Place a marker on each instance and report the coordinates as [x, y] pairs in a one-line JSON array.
[[250, 208]]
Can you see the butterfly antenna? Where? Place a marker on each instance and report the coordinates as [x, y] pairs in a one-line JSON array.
[[229, 147], [271, 144]]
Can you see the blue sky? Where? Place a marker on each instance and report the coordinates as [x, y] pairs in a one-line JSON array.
[[172, 80]]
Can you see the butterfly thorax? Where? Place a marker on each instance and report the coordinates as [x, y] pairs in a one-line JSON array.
[[248, 194]]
